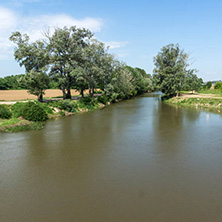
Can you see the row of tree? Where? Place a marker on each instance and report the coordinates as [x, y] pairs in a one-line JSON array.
[[71, 58], [12, 82]]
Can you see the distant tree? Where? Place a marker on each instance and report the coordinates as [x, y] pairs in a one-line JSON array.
[[208, 85], [192, 82], [171, 69], [2, 84], [140, 79], [218, 85]]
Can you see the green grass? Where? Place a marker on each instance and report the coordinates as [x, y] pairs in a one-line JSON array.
[[19, 128], [211, 91], [78, 106], [10, 122], [206, 103]]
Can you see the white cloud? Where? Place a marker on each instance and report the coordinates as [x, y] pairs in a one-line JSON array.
[[116, 45], [35, 26], [7, 20]]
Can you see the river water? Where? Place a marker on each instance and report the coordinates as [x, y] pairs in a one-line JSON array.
[[136, 161]]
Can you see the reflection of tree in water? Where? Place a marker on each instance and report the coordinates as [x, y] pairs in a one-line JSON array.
[[37, 146], [171, 125]]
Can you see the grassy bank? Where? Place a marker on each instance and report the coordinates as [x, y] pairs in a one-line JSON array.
[[197, 102], [15, 117]]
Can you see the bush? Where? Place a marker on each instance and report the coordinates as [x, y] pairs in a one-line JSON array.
[[103, 99], [5, 112], [208, 85], [218, 85], [33, 112], [88, 103], [67, 105], [45, 106], [17, 109]]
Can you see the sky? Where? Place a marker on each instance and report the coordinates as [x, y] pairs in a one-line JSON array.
[[135, 31]]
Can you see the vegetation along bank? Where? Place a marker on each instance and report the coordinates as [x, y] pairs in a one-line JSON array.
[[71, 59]]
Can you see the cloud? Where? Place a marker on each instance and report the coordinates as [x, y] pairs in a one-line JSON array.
[[35, 26], [116, 45], [7, 20]]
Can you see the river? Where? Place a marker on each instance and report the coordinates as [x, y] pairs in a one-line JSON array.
[[135, 161]]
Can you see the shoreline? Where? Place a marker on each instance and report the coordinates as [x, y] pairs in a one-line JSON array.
[[20, 124], [210, 102]]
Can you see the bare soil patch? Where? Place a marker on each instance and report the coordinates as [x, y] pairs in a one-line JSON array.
[[15, 95], [200, 95]]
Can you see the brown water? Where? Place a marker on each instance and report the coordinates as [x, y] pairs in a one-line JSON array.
[[135, 161]]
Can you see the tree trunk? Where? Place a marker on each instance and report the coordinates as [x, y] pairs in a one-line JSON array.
[[91, 90], [40, 98], [63, 93], [82, 93], [68, 94], [178, 93]]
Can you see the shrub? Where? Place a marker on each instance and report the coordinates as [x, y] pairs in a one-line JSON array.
[[5, 112], [208, 85], [45, 106], [103, 99], [33, 112], [67, 105], [88, 101], [17, 109], [218, 85]]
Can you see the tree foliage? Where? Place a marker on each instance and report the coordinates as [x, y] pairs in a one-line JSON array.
[[171, 70], [71, 58]]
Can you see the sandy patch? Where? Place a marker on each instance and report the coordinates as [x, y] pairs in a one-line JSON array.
[[13, 95]]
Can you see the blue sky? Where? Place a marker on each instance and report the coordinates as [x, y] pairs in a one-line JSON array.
[[134, 30]]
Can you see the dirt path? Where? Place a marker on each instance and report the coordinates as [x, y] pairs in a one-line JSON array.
[[200, 95]]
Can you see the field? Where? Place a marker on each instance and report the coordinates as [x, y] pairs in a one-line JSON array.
[[14, 95]]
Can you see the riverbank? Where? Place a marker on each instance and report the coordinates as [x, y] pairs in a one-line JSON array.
[[198, 100], [54, 109]]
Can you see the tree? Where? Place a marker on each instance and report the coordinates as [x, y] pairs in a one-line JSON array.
[[208, 85], [141, 81], [35, 57], [192, 82], [66, 54], [2, 84], [37, 82], [171, 69], [30, 55], [218, 85]]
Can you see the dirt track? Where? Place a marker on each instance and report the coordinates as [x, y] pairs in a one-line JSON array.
[[200, 95], [14, 95]]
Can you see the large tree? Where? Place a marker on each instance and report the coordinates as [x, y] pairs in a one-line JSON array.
[[171, 69], [35, 58], [66, 54]]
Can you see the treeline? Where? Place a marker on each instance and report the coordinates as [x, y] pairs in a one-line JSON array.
[[12, 82], [71, 59]]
